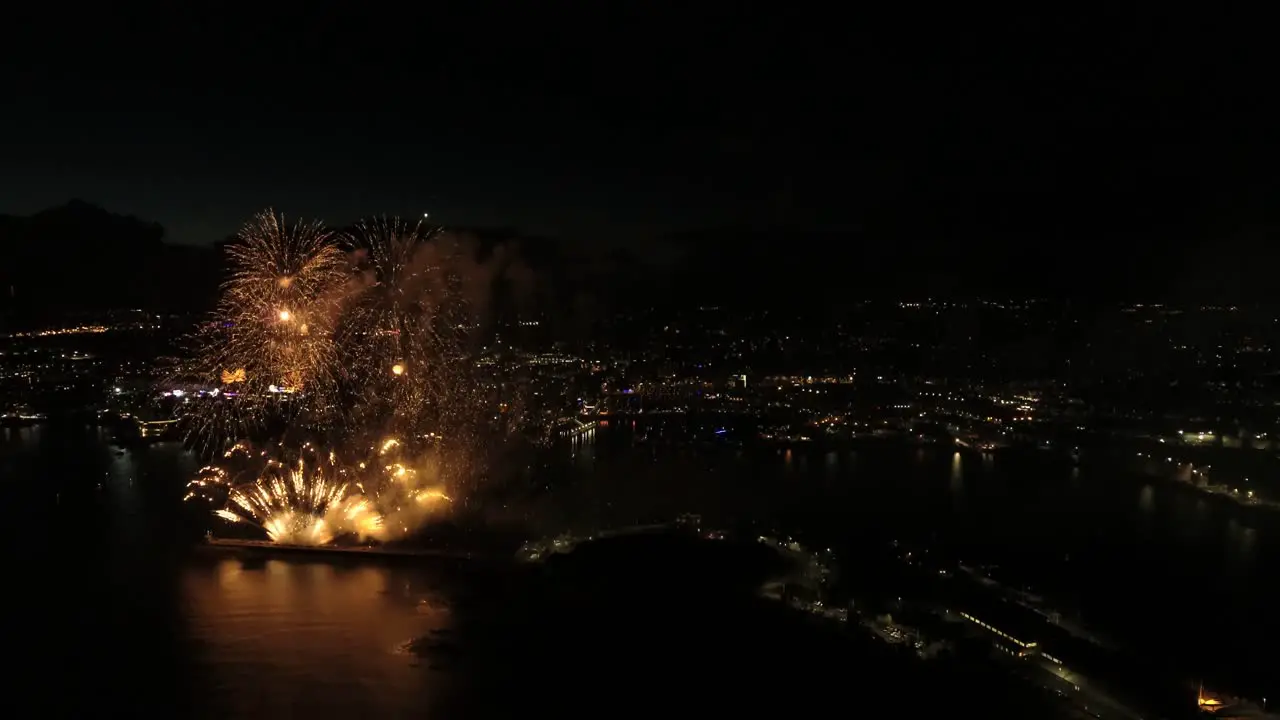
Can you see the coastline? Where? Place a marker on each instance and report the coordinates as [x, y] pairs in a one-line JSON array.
[[231, 545]]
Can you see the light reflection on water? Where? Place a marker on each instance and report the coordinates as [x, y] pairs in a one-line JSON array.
[[957, 476], [287, 638], [1147, 499], [1240, 554]]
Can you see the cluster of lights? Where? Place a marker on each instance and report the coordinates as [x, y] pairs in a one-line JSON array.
[[1006, 636], [78, 330]]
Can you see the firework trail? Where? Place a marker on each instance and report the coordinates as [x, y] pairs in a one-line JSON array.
[[291, 507]]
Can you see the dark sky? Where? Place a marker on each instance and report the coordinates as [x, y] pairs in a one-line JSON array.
[[617, 128]]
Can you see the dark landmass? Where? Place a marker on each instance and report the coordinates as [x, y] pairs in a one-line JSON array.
[[791, 269], [569, 289], [667, 622], [78, 257]]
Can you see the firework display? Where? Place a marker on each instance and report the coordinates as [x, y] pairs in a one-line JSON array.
[[310, 496], [409, 322], [273, 331], [342, 381]]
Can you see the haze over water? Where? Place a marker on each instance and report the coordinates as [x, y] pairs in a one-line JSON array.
[[117, 600]]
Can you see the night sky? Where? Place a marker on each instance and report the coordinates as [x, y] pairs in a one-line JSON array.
[[620, 129]]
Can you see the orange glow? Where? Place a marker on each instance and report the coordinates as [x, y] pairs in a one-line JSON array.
[[1208, 702], [397, 369], [285, 315], [231, 377], [292, 380], [429, 495]]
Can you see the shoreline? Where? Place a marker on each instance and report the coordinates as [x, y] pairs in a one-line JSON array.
[[215, 544]]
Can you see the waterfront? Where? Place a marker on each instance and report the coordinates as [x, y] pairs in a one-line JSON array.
[[1179, 575]]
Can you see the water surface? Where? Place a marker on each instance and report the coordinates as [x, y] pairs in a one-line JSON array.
[[115, 601]]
